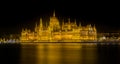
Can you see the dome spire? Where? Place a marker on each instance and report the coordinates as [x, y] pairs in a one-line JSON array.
[[54, 13]]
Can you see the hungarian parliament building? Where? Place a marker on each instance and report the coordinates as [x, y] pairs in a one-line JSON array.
[[56, 32]]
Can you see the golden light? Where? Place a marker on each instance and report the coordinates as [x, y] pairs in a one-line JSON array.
[[54, 32]]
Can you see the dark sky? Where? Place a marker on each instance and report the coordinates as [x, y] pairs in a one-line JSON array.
[[15, 15]]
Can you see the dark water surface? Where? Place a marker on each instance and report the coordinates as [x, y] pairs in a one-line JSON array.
[[59, 53]]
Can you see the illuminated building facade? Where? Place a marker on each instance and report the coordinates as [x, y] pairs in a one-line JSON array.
[[54, 32]]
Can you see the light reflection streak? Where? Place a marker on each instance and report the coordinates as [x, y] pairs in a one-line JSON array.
[[68, 53], [64, 53]]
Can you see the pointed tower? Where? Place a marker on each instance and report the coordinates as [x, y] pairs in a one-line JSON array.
[[80, 26], [89, 27], [75, 22], [95, 32], [69, 25], [36, 27], [54, 13], [68, 20], [54, 22], [35, 24], [41, 25], [62, 24], [94, 28]]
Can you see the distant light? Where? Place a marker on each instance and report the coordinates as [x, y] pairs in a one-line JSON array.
[[103, 37], [11, 41]]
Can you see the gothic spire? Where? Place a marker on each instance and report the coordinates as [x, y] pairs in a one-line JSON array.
[[54, 13], [41, 22], [36, 24], [94, 27]]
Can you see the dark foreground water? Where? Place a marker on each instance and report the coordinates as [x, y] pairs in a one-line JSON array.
[[59, 53]]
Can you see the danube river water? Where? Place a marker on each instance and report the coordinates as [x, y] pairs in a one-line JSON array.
[[59, 53]]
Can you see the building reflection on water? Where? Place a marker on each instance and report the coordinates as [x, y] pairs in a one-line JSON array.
[[56, 53], [60, 53]]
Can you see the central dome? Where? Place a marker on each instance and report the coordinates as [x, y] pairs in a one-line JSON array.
[[54, 21]]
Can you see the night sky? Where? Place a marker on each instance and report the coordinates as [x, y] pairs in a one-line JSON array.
[[15, 15]]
